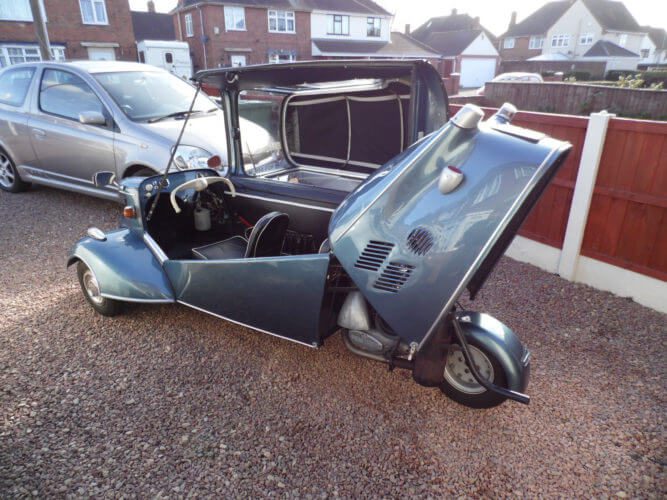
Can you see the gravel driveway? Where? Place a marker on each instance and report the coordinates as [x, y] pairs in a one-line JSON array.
[[165, 401]]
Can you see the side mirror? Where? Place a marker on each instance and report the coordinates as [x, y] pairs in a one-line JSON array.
[[104, 179], [92, 118]]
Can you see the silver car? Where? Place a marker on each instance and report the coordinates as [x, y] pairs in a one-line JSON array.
[[60, 123]]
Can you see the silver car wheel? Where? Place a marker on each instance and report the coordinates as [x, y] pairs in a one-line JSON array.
[[92, 287], [458, 374], [7, 175]]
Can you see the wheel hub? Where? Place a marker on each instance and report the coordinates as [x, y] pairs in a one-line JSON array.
[[459, 375], [92, 287], [6, 172]]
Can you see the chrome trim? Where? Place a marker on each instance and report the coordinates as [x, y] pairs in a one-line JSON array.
[[468, 117], [138, 301], [302, 205], [312, 346], [96, 233], [487, 248], [334, 160], [155, 248]]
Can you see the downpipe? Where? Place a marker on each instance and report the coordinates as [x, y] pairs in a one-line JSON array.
[[489, 386]]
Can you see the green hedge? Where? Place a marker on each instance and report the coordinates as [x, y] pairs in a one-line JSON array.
[[649, 77]]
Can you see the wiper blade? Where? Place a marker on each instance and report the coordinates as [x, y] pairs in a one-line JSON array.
[[177, 114]]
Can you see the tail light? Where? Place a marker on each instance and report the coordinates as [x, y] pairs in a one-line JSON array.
[[129, 212]]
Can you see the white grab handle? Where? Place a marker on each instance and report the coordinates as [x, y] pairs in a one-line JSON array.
[[199, 184]]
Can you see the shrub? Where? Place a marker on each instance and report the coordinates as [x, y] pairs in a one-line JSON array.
[[579, 76]]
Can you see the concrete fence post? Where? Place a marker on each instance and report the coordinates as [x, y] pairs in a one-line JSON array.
[[596, 134]]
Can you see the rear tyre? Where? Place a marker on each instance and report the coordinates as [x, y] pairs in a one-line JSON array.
[[459, 383], [91, 291], [9, 176]]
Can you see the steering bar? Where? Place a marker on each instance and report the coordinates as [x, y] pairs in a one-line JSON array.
[[199, 184]]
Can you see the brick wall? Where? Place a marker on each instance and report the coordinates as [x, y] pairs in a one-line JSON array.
[[520, 52], [255, 43], [65, 26]]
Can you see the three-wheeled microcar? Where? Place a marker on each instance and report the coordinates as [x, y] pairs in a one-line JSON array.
[[348, 201]]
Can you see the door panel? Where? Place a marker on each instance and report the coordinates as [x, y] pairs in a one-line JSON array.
[[277, 295], [64, 146]]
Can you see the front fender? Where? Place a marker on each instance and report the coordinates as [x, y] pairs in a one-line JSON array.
[[500, 341], [124, 266]]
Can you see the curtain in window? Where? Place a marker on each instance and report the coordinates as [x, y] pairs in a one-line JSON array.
[[100, 12], [87, 11], [15, 10]]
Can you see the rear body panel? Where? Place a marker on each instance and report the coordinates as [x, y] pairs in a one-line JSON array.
[[411, 249]]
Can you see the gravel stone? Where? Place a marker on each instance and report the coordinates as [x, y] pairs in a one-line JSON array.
[[167, 402]]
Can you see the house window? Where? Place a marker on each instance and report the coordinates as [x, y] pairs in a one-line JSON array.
[[15, 10], [93, 12], [234, 18], [189, 30], [338, 25], [586, 39], [17, 54], [281, 21], [645, 53], [373, 26], [536, 42], [276, 58], [560, 41], [508, 43], [623, 39]]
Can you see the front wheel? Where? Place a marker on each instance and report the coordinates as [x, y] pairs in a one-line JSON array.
[[10, 180], [91, 291], [459, 383]]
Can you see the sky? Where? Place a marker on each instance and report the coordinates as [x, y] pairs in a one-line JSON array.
[[494, 14]]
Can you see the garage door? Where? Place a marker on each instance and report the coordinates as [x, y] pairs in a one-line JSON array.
[[476, 71]]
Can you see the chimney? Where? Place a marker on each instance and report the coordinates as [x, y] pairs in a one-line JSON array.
[[454, 12], [475, 22], [407, 29], [151, 6], [513, 20]]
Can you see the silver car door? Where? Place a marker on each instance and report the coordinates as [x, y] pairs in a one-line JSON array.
[[68, 150]]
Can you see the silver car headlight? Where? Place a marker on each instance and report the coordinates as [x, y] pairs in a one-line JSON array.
[[191, 157]]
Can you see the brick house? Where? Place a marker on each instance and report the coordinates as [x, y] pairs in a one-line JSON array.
[[241, 32], [78, 29], [524, 40]]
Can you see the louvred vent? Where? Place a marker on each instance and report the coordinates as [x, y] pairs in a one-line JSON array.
[[420, 241], [374, 255], [393, 277]]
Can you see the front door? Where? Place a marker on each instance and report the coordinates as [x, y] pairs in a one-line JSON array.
[[238, 60], [101, 54], [68, 150]]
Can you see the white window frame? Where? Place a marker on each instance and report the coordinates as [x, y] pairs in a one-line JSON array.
[[509, 42], [560, 41], [623, 39], [374, 22], [286, 15], [536, 42], [95, 20], [275, 58], [232, 17], [28, 11], [58, 54], [344, 25], [586, 38], [189, 28]]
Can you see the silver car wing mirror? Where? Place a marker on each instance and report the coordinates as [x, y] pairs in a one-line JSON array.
[[104, 179], [92, 118]]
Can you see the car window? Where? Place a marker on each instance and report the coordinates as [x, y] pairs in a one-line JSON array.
[[14, 84], [146, 95], [65, 94]]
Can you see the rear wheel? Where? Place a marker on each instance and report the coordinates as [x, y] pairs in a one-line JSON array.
[[9, 176], [459, 383], [91, 291]]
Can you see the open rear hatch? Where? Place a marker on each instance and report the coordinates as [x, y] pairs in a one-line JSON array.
[[412, 243]]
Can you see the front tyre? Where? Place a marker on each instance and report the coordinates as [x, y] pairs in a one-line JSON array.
[[459, 383], [91, 291], [9, 176]]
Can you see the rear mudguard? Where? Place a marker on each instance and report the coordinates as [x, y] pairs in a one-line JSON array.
[[501, 342], [124, 267]]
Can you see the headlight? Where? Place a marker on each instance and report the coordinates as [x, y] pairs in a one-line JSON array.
[[191, 157]]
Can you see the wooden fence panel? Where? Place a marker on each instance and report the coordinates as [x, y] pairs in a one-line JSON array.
[[627, 221], [547, 221]]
